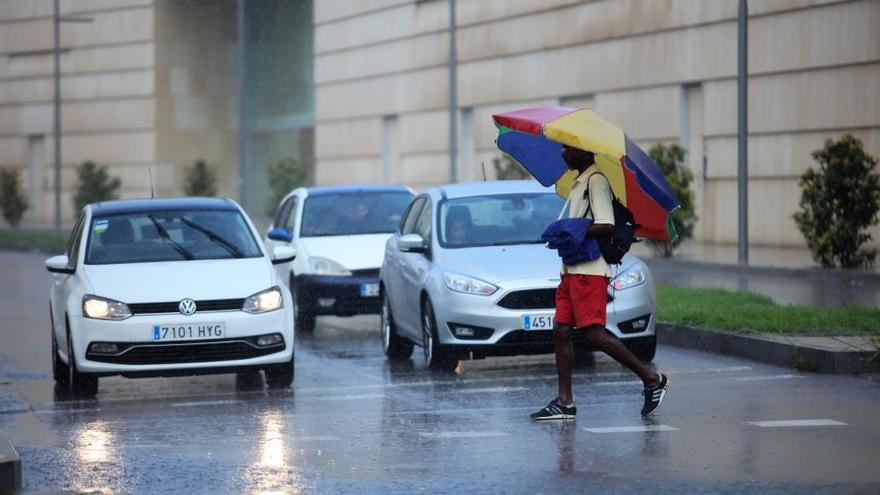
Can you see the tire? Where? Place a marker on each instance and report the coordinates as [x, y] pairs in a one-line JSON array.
[[281, 375], [81, 384], [303, 314], [396, 347], [645, 349], [59, 368], [437, 356]]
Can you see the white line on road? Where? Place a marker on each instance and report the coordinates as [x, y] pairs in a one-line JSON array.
[[465, 434], [350, 397], [492, 390], [205, 403], [797, 422], [66, 411], [317, 438], [631, 429], [771, 377]]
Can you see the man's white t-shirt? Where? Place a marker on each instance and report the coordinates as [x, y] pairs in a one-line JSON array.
[[602, 213]]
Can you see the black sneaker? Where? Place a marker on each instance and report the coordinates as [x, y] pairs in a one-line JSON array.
[[555, 410], [654, 395]]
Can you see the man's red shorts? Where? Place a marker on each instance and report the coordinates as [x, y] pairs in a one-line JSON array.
[[581, 300]]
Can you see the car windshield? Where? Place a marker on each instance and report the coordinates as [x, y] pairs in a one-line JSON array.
[[169, 236], [496, 220], [353, 213]]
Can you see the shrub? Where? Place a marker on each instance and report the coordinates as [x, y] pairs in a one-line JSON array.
[[200, 180], [839, 201], [94, 185], [12, 201], [506, 168], [287, 174], [670, 160]]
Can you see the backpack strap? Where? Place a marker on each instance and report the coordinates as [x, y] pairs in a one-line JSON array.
[[587, 193]]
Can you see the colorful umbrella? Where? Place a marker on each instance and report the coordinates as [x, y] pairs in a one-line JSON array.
[[534, 137]]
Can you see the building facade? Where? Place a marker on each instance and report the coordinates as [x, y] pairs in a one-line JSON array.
[[151, 86], [664, 70]]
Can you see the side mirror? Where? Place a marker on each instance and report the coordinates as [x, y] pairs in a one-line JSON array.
[[283, 254], [280, 234], [412, 243], [59, 264]]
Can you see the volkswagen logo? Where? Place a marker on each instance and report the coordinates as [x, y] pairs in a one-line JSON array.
[[187, 307]]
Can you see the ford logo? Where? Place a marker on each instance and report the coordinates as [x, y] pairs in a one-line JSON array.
[[187, 307]]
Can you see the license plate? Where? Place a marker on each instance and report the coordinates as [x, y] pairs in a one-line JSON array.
[[195, 331], [369, 290], [537, 322]]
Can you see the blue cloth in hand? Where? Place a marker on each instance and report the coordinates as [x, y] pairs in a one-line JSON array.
[[569, 237]]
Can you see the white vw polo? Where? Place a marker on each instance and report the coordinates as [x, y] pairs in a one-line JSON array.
[[160, 287]]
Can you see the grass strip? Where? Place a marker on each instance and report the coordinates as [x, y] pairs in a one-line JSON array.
[[747, 312], [48, 242]]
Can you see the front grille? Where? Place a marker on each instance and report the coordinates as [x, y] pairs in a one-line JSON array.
[[172, 306], [366, 273], [532, 299], [190, 352]]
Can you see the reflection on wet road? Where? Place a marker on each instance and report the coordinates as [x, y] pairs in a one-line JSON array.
[[356, 424]]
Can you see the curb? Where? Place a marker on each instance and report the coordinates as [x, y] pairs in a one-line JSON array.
[[768, 351], [10, 467]]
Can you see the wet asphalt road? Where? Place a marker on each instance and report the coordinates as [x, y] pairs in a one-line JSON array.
[[355, 424]]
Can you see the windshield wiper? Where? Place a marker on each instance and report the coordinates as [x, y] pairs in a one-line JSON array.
[[164, 233], [210, 234]]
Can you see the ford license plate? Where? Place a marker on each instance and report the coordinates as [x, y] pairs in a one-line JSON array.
[[193, 331], [369, 290], [537, 322]]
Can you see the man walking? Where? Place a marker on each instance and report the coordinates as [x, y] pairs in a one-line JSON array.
[[581, 297]]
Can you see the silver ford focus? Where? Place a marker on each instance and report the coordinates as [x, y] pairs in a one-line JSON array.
[[466, 276]]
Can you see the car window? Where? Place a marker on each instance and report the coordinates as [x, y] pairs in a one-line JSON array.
[[290, 216], [74, 242], [281, 215], [354, 213], [412, 215], [423, 225], [496, 219], [169, 235]]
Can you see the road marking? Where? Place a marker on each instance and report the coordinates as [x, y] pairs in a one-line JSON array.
[[317, 438], [631, 429], [492, 390], [797, 422], [465, 434], [350, 397], [771, 377], [67, 411], [205, 403]]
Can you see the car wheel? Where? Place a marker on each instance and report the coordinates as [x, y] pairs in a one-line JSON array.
[[644, 348], [59, 368], [280, 375], [437, 356], [81, 384], [396, 347], [303, 315]]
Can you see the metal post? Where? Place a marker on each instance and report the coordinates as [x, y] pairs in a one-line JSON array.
[[244, 113], [743, 133], [453, 97], [56, 125]]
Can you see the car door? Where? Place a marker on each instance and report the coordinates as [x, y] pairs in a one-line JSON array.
[[62, 282], [414, 271], [392, 275], [285, 217]]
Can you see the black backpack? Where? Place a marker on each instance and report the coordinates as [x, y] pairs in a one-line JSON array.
[[616, 243]]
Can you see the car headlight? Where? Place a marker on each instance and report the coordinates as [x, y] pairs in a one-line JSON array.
[[468, 285], [324, 266], [101, 308], [630, 278], [263, 302]]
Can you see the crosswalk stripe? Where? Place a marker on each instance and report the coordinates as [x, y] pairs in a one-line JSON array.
[[465, 434], [797, 422], [631, 429], [205, 403]]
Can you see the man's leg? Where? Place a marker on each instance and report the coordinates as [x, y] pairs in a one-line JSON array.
[[601, 340], [564, 362]]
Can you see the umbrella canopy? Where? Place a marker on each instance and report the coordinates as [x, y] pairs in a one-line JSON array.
[[534, 137]]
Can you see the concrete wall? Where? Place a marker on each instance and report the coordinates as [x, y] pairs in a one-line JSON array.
[[108, 88], [663, 70]]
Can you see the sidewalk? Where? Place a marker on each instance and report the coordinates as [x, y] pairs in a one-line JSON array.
[[787, 275]]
